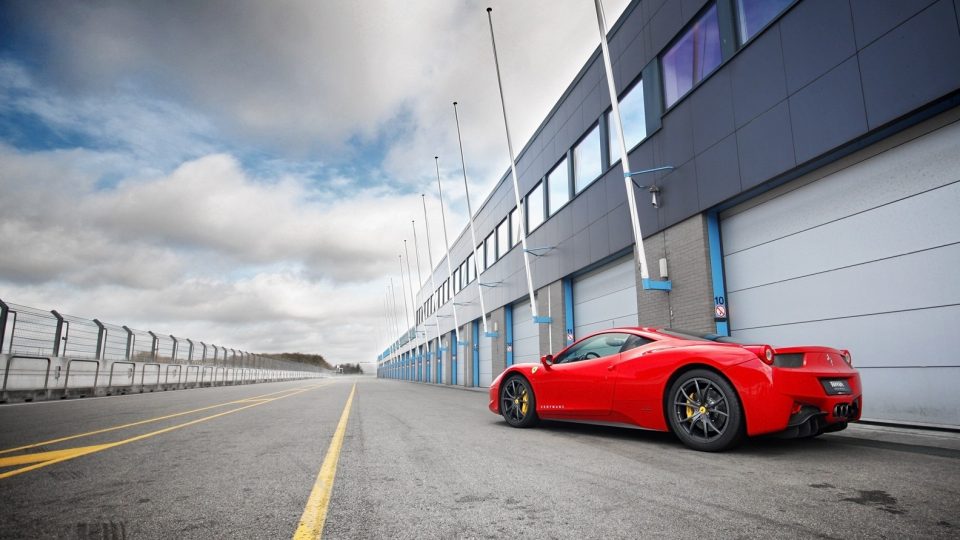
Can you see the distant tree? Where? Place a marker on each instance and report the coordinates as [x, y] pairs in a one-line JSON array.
[[303, 358], [350, 368]]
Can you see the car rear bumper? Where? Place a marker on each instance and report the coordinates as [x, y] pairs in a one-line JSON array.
[[795, 400]]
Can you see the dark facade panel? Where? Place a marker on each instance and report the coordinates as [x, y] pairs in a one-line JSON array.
[[766, 146], [817, 35], [828, 112], [874, 18], [757, 77], [681, 188], [621, 233], [665, 25], [675, 140], [911, 65], [599, 240], [689, 8], [712, 111], [718, 172]]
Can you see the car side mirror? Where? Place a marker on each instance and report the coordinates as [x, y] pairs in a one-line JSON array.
[[547, 360]]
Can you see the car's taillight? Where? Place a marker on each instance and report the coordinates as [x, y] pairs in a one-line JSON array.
[[764, 352], [847, 357]]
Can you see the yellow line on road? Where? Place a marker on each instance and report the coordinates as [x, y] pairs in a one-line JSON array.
[[315, 514], [65, 455], [141, 422]]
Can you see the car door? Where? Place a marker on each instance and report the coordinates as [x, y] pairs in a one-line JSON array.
[[580, 383]]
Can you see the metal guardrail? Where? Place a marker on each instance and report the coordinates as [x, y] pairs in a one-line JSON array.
[[29, 331]]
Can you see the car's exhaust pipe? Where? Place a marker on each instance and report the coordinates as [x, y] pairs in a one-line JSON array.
[[842, 410]]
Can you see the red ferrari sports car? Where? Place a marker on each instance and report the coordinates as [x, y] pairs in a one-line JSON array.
[[707, 389]]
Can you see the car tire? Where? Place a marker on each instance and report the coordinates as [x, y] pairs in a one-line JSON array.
[[704, 411], [518, 404]]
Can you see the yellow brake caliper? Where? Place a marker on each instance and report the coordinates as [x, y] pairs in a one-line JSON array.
[[690, 409], [524, 399]]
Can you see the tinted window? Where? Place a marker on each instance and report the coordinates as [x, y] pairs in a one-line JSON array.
[[514, 227], [634, 118], [597, 346], [753, 15], [503, 238], [558, 182], [471, 269], [586, 160], [534, 201], [694, 56], [633, 342], [490, 252]]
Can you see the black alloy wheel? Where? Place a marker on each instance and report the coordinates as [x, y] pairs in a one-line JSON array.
[[704, 411], [517, 403]]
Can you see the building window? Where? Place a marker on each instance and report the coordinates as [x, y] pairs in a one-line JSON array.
[[694, 56], [490, 250], [534, 201], [456, 280], [634, 117], [586, 160], [558, 182], [471, 269], [503, 238], [515, 227], [754, 15], [463, 275]]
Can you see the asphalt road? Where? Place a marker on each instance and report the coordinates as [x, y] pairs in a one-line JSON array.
[[431, 462]]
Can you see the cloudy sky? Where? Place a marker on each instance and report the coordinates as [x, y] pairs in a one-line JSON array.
[[245, 172]]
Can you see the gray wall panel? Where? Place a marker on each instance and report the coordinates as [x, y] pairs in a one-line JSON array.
[[914, 63], [928, 162], [681, 186], [816, 35], [921, 395], [605, 298], [828, 111], [886, 340], [850, 292], [526, 334], [923, 221]]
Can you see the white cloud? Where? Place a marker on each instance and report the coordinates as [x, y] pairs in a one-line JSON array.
[[151, 220]]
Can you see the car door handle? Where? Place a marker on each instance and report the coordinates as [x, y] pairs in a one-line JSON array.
[[610, 368]]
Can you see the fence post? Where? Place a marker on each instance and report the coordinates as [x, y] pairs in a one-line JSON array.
[[101, 334], [58, 336], [130, 343], [173, 352], [3, 323], [153, 346], [190, 352], [203, 359]]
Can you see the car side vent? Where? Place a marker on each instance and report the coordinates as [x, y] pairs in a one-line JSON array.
[[788, 360]]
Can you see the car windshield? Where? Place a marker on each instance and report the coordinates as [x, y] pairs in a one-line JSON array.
[[697, 336]]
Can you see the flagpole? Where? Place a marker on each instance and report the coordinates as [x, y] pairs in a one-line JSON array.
[[433, 284], [473, 230], [640, 252], [513, 172], [412, 301], [403, 295], [416, 251], [446, 242]]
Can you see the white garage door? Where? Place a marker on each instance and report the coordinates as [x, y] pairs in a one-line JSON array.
[[526, 334], [486, 360], [605, 298], [866, 259]]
